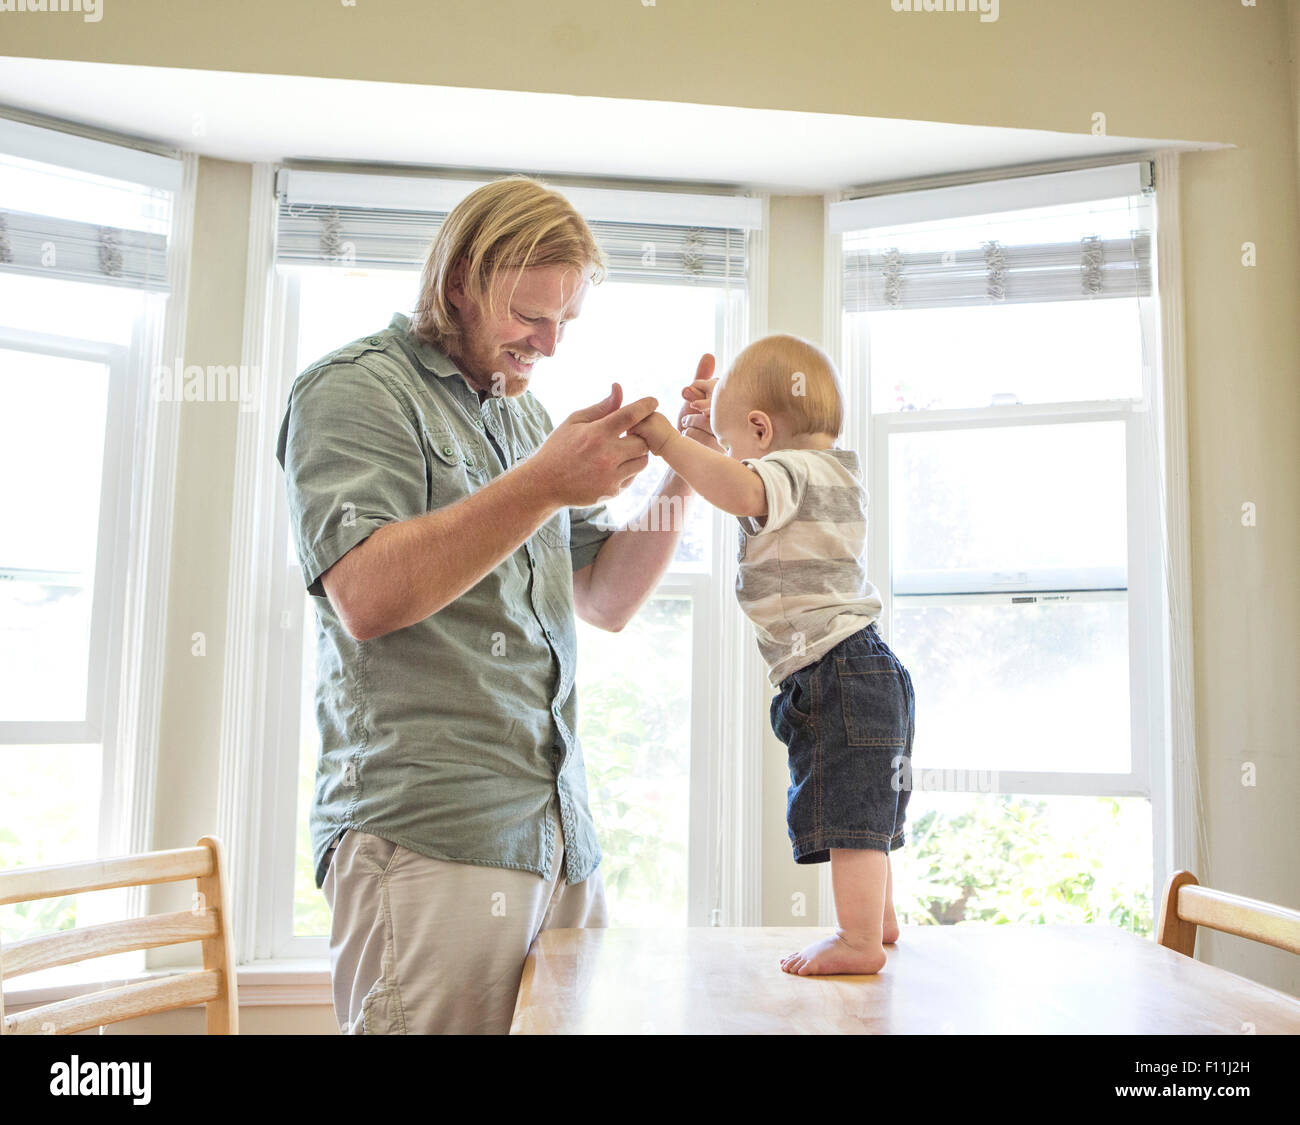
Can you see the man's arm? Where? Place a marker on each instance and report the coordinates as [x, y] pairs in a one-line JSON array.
[[406, 571]]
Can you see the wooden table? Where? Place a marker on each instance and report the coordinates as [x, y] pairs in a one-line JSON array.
[[940, 979]]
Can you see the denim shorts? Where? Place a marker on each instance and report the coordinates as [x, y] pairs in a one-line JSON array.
[[847, 721]]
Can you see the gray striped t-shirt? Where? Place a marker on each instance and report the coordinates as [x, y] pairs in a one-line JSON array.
[[802, 579]]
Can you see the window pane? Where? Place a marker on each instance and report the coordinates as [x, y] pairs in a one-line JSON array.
[[44, 651], [951, 358], [49, 813], [998, 858], [648, 339], [1012, 687], [634, 719], [1008, 505], [338, 306], [51, 458], [104, 312], [65, 193], [993, 354]]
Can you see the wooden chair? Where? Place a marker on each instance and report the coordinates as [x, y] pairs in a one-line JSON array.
[[1186, 905], [208, 922]]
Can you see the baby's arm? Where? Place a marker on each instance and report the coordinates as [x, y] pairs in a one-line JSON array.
[[724, 483]]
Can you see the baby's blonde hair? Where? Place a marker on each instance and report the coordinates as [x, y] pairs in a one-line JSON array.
[[513, 223], [787, 377]]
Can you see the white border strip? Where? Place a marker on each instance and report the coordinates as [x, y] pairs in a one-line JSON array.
[[144, 647], [855, 430], [99, 158], [1185, 824], [900, 208], [411, 193], [242, 782]]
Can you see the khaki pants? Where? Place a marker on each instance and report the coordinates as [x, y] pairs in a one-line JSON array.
[[425, 946]]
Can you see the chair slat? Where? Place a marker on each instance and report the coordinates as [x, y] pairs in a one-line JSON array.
[[111, 1005], [27, 883], [47, 951], [1246, 917]]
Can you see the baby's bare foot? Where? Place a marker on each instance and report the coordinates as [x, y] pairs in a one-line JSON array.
[[835, 955], [889, 934]]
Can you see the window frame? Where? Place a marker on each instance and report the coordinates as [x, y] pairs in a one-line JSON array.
[[139, 466], [265, 624], [1161, 699], [111, 556], [1141, 644]]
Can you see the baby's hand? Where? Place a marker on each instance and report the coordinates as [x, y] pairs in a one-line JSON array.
[[656, 431]]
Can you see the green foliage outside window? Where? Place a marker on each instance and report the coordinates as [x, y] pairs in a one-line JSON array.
[[1011, 859]]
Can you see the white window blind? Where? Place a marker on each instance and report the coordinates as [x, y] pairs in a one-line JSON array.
[[646, 236], [904, 252], [83, 210]]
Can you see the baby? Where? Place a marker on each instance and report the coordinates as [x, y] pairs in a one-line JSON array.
[[844, 706]]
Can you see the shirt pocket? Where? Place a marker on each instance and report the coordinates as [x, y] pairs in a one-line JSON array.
[[451, 452], [555, 531]]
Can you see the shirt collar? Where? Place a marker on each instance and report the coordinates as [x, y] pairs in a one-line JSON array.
[[432, 357]]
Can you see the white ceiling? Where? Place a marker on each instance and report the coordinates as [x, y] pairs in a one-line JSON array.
[[267, 117]]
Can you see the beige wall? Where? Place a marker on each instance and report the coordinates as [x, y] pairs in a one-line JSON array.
[[189, 755], [1187, 69], [1293, 21], [1161, 68]]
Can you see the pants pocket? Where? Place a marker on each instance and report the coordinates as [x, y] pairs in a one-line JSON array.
[[381, 1012], [873, 701], [802, 700]]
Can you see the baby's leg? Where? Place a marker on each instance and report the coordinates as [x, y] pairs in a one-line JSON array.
[[860, 879], [889, 932]]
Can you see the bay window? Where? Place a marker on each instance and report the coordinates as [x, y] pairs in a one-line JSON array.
[[1001, 345]]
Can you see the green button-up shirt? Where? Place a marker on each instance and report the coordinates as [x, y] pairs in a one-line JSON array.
[[454, 737]]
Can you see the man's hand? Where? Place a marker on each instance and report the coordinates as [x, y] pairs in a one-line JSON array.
[[693, 420], [589, 457], [656, 431]]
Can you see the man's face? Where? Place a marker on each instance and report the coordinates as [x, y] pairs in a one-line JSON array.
[[498, 350]]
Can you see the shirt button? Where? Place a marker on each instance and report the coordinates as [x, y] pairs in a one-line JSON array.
[[374, 341], [556, 710], [549, 634], [469, 461], [448, 450]]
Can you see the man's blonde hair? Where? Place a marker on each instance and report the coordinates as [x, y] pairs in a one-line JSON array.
[[787, 377], [514, 223]]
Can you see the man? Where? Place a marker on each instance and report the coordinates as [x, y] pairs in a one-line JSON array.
[[449, 532]]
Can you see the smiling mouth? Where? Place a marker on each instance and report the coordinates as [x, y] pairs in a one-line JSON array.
[[522, 363]]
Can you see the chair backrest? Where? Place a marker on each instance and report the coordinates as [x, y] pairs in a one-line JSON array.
[[1186, 905], [207, 922]]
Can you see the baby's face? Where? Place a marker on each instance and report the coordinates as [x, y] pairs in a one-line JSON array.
[[728, 416]]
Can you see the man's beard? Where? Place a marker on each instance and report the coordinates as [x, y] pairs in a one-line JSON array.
[[508, 384]]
